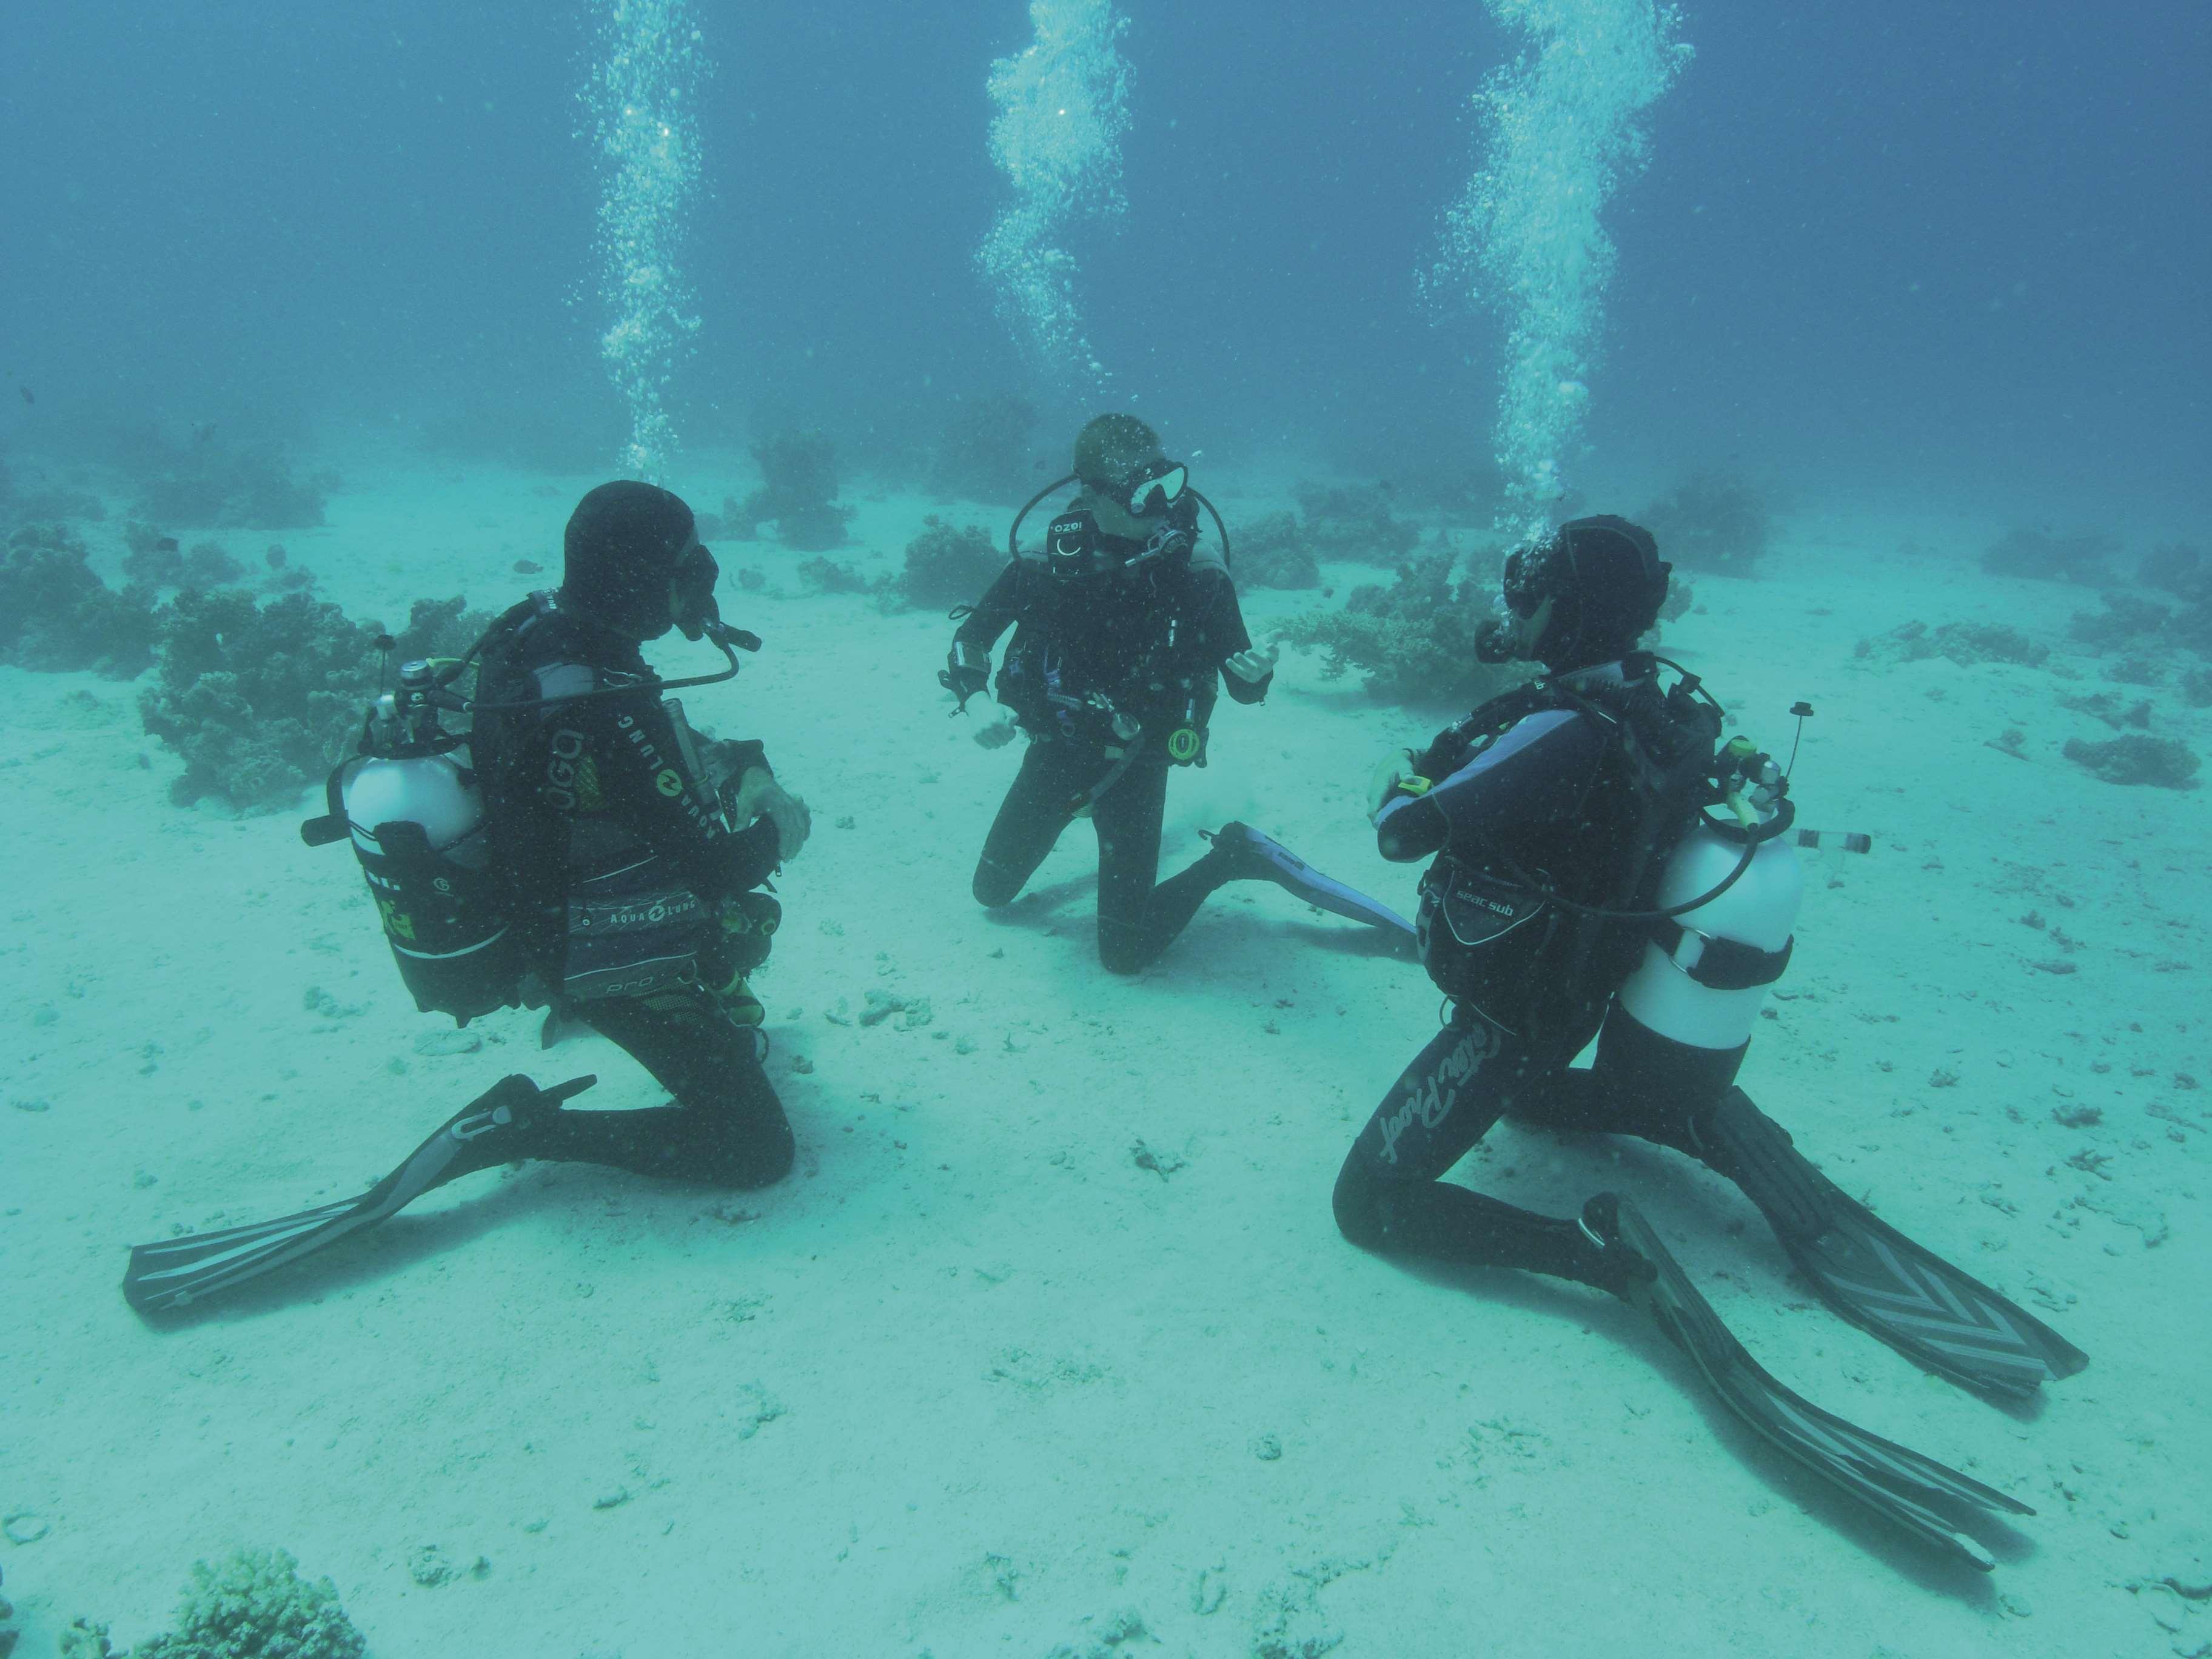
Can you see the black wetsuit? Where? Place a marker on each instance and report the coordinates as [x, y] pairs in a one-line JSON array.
[[597, 797], [1545, 794], [1151, 645]]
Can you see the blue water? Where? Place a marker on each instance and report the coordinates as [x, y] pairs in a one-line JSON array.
[[1956, 251], [980, 1377]]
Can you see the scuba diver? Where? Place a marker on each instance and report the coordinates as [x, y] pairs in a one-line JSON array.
[[580, 848], [1582, 885], [1122, 636]]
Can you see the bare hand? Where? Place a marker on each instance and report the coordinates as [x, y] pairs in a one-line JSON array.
[[1253, 666], [760, 795], [1391, 770], [997, 734]]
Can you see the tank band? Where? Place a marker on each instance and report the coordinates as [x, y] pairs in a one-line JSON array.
[[1725, 964]]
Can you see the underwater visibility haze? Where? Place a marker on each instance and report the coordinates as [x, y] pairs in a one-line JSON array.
[[1236, 829]]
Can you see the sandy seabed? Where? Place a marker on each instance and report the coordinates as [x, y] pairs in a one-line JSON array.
[[974, 1380]]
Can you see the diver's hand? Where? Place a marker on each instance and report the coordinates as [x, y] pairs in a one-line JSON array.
[[997, 734], [1393, 769], [1253, 666], [759, 795]]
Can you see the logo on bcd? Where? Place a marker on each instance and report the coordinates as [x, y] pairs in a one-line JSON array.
[[668, 783]]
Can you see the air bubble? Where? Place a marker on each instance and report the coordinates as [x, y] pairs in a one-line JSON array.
[[641, 99], [1063, 107], [1560, 128]]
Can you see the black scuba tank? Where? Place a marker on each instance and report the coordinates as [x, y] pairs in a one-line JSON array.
[[417, 828], [410, 804]]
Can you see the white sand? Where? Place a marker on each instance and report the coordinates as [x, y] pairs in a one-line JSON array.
[[973, 1381]]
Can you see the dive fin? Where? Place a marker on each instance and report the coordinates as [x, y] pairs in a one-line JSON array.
[[1917, 1493], [561, 1022], [1263, 858], [175, 1273], [1875, 1276]]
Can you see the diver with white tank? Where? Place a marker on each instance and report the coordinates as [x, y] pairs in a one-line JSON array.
[[1604, 866], [578, 847]]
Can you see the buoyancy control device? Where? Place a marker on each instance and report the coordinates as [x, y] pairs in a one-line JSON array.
[[1507, 942], [410, 802]]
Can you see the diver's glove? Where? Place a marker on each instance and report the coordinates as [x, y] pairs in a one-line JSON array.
[[966, 672], [1391, 776]]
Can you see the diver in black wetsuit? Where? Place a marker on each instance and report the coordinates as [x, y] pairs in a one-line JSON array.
[[1551, 815], [592, 853], [1121, 641], [632, 850]]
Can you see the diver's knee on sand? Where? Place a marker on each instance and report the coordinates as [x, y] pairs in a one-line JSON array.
[[1359, 1203], [994, 887]]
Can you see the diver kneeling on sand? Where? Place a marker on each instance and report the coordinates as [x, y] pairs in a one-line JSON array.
[[1122, 637], [579, 847], [1580, 887]]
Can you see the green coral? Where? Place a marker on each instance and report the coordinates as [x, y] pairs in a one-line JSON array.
[[236, 486], [1272, 552], [1413, 640], [946, 565], [256, 1606], [56, 614], [2163, 762], [798, 494], [827, 576], [2180, 570], [2039, 553], [1354, 522], [260, 699], [1964, 643], [1712, 523]]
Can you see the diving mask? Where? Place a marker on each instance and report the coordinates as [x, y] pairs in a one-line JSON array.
[[1155, 488], [694, 582]]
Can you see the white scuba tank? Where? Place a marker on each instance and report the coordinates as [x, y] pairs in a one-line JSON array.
[[1757, 910], [429, 790], [443, 910]]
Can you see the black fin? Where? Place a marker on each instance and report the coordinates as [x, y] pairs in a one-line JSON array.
[[175, 1273], [1875, 1276], [1925, 1498], [1263, 858]]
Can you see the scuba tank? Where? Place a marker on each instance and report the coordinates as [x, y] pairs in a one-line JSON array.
[[1692, 949], [1679, 1027], [410, 804], [1705, 969]]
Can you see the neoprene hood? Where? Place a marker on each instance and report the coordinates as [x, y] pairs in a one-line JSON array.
[[620, 554], [1606, 580]]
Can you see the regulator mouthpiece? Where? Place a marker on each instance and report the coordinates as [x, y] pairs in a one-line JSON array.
[[1494, 641], [722, 634]]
